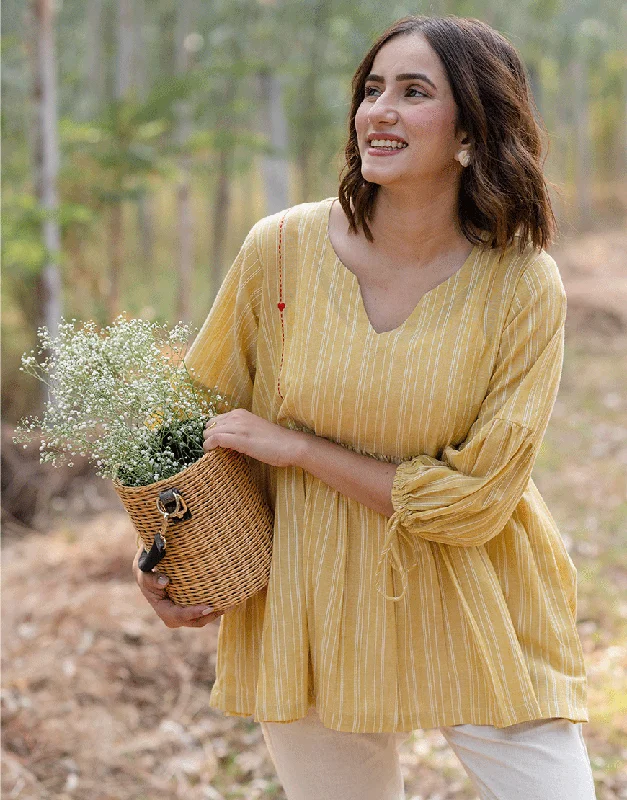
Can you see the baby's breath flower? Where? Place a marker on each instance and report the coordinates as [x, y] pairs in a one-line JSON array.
[[121, 396]]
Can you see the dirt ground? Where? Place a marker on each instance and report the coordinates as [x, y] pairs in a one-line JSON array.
[[101, 701]]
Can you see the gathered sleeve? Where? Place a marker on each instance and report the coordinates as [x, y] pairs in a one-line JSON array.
[[467, 496], [223, 357]]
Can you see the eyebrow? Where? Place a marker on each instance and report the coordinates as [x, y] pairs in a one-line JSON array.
[[404, 76]]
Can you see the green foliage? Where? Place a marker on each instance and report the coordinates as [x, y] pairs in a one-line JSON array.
[[121, 149], [23, 252], [172, 447]]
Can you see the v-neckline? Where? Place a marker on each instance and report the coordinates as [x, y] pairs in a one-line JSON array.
[[461, 275]]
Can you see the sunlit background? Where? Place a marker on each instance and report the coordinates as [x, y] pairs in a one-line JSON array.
[[141, 140]]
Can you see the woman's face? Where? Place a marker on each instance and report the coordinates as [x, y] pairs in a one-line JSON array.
[[408, 95]]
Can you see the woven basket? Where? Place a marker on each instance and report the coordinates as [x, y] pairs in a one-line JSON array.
[[221, 555]]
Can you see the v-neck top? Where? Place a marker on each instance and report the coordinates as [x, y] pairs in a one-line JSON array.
[[461, 606], [460, 273]]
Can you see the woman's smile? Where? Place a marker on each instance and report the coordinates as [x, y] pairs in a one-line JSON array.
[[383, 143], [389, 150]]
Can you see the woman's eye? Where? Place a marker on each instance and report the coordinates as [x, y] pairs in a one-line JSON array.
[[415, 89], [369, 91]]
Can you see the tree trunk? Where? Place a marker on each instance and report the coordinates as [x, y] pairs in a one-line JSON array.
[[274, 165], [221, 206], [306, 146], [183, 193], [116, 258], [622, 135], [144, 200], [222, 198], [141, 51], [146, 230], [33, 131], [124, 72], [561, 140], [46, 94], [94, 90], [535, 86], [583, 156]]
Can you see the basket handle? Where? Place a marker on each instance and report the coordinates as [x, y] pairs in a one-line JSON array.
[[171, 506], [150, 558]]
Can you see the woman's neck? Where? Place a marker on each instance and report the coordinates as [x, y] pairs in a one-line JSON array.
[[416, 227]]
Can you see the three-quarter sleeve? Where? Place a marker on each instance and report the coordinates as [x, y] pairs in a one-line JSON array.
[[223, 357], [467, 496]]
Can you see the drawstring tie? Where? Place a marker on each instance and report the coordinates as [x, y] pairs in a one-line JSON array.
[[398, 549], [396, 553]]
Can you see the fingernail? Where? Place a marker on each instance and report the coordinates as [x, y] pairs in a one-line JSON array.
[[162, 580], [207, 610]]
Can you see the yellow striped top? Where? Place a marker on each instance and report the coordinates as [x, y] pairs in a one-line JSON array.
[[461, 607]]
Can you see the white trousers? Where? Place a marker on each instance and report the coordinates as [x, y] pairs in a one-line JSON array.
[[539, 760]]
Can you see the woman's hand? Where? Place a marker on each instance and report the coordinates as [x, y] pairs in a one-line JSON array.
[[174, 616], [254, 436]]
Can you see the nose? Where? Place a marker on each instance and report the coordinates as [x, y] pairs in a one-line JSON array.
[[382, 110]]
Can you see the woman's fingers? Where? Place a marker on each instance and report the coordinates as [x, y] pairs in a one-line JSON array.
[[153, 587], [209, 425], [252, 435], [152, 584], [200, 623], [184, 616]]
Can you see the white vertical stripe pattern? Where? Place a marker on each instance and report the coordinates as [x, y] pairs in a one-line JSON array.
[[459, 397]]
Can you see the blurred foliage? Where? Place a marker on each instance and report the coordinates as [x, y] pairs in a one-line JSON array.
[[127, 154]]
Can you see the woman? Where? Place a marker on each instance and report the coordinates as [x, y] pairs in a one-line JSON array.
[[392, 358]]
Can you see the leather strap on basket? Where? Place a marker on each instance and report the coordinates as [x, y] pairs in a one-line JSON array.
[[173, 508]]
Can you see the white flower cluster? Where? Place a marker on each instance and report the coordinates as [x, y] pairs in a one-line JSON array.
[[121, 396]]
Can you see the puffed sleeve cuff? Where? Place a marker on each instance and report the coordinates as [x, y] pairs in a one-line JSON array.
[[440, 501]]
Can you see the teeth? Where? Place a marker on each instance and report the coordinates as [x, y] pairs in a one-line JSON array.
[[387, 143]]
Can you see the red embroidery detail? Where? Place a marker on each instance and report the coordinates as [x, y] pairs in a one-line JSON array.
[[281, 306]]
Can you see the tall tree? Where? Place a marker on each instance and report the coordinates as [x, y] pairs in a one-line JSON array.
[[222, 192], [183, 189], [124, 74], [309, 111], [94, 69], [45, 95], [123, 82], [274, 164], [583, 163], [144, 197]]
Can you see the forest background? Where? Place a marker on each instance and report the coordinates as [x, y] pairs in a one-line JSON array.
[[141, 141]]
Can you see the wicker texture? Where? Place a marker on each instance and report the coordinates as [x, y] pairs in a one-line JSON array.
[[222, 554]]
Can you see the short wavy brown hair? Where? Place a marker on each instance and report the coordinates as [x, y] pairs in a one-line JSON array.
[[503, 193]]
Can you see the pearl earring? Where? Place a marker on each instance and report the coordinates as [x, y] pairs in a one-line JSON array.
[[463, 157]]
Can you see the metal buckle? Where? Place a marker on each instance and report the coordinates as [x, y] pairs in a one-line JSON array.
[[171, 504]]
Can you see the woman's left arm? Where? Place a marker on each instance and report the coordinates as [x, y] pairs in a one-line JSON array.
[[362, 478]]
